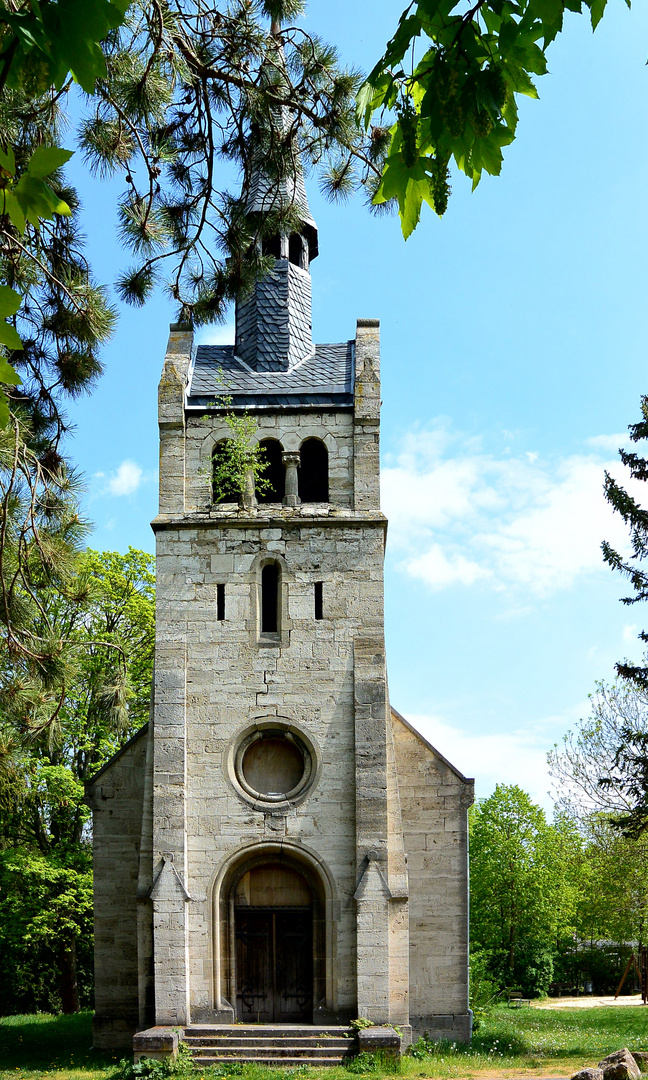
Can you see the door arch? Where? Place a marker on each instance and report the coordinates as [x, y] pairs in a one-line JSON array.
[[273, 932], [271, 938]]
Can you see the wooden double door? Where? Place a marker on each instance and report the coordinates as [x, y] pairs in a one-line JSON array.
[[274, 965]]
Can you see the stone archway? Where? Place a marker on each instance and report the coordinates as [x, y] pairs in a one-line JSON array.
[[273, 932], [272, 928]]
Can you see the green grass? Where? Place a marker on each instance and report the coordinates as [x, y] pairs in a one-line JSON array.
[[510, 1042], [51, 1046]]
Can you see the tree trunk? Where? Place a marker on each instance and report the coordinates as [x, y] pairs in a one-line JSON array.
[[68, 977]]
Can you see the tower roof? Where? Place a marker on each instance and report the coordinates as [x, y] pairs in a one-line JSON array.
[[323, 380], [265, 195]]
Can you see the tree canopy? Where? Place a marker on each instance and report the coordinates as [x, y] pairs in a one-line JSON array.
[[45, 856], [446, 91], [523, 887], [181, 100]]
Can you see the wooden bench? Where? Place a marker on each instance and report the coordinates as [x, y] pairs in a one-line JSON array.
[[516, 1001]]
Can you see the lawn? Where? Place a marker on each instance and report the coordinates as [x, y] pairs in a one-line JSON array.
[[523, 1042]]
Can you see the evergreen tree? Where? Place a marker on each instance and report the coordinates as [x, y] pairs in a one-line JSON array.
[[636, 519], [184, 101], [628, 777]]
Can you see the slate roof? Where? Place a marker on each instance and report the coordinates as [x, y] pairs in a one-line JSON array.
[[325, 378], [273, 323], [265, 195]]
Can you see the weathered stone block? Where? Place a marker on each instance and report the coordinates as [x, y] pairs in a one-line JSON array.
[[620, 1066]]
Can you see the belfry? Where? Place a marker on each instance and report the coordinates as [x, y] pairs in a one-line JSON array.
[[278, 846]]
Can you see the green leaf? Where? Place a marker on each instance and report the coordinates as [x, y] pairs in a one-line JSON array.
[[372, 95], [8, 374], [8, 160], [12, 208], [9, 338], [4, 409], [597, 10], [46, 159], [10, 301], [38, 200], [410, 207]]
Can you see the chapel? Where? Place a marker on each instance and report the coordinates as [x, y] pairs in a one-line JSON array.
[[278, 845]]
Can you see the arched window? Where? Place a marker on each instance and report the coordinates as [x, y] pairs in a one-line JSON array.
[[313, 472], [223, 488], [274, 473], [270, 584]]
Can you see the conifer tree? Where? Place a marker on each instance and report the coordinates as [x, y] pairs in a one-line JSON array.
[[629, 775], [182, 100], [636, 518]]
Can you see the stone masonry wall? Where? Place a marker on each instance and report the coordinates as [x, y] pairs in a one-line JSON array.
[[434, 801], [215, 680], [234, 680], [115, 796], [335, 429]]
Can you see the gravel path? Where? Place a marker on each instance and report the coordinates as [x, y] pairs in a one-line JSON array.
[[587, 1002]]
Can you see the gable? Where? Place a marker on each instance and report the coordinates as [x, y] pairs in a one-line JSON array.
[[400, 719]]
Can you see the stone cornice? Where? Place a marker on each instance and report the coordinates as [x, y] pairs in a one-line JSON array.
[[357, 519]]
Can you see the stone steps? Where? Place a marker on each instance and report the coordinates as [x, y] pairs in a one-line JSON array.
[[269, 1044], [283, 1062]]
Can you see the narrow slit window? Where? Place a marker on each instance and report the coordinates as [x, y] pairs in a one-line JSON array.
[[319, 599], [220, 602], [269, 598]]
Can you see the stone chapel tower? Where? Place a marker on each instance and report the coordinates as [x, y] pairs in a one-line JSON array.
[[278, 845]]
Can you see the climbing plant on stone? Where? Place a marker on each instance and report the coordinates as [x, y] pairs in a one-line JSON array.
[[238, 463]]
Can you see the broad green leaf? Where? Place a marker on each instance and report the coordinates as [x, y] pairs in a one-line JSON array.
[[4, 409], [46, 159], [410, 208], [8, 160], [38, 200], [364, 100], [9, 337], [597, 10], [9, 205], [372, 96], [10, 301], [8, 375]]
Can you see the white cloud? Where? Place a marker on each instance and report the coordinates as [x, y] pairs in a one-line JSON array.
[[438, 569], [459, 515], [608, 443], [512, 757], [125, 480], [216, 335]]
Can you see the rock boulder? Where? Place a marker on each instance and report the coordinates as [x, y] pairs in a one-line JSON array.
[[620, 1066]]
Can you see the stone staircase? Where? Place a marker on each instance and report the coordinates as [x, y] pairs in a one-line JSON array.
[[285, 1044]]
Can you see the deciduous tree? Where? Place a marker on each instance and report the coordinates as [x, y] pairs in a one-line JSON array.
[[446, 87], [524, 890], [45, 859]]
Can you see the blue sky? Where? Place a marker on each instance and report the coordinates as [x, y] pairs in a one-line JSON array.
[[513, 359]]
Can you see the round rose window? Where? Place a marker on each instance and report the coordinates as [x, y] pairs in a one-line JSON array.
[[273, 765]]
